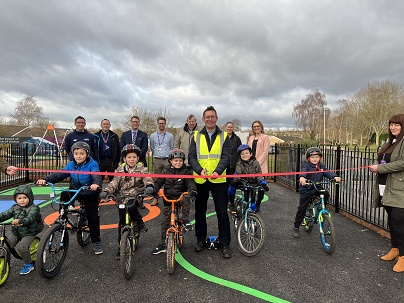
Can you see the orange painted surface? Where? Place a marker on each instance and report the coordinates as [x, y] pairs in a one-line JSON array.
[[153, 213]]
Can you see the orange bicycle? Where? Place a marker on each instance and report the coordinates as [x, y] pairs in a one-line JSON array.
[[175, 232]]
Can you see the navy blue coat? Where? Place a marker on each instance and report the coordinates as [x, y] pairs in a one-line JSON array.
[[141, 142], [318, 177]]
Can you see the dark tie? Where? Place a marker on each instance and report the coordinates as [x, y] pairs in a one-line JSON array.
[[134, 138]]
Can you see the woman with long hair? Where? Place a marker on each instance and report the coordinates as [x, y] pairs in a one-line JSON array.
[[259, 143]]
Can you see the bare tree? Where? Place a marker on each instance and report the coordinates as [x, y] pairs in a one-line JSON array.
[[29, 113], [237, 124], [309, 114]]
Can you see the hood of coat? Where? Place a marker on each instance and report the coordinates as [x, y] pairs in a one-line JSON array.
[[26, 190]]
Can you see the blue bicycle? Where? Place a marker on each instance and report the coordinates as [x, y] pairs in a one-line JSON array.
[[52, 250], [316, 213], [249, 226]]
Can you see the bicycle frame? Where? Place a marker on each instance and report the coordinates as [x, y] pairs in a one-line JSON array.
[[5, 246], [174, 213]]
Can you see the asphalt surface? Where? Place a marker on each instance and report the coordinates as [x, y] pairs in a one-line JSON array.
[[286, 270]]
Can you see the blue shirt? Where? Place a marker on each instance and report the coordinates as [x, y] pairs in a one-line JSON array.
[[161, 144]]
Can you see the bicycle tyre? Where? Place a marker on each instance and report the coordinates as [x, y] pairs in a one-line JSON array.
[[83, 232], [52, 251], [327, 234], [250, 241], [127, 255], [180, 236], [171, 241], [4, 270], [33, 248]]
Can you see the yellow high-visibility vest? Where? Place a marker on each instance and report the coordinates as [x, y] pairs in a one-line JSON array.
[[209, 160]]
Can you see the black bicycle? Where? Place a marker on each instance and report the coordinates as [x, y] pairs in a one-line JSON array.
[[6, 251], [52, 250]]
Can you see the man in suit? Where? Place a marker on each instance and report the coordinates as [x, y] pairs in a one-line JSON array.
[[137, 137]]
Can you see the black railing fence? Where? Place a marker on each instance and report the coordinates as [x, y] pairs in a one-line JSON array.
[[353, 195]]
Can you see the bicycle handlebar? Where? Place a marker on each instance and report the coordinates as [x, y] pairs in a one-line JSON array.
[[75, 191], [174, 201], [318, 184]]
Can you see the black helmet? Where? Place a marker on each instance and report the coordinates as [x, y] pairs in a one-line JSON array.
[[176, 153], [130, 148], [82, 145], [313, 151], [243, 147]]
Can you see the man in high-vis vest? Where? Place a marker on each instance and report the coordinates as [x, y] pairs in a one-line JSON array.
[[209, 155]]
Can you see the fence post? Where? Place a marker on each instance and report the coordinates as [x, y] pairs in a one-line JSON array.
[[338, 167], [274, 162], [25, 152], [298, 166]]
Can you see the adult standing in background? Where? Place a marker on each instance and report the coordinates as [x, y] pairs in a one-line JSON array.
[[107, 145], [161, 143], [80, 134], [7, 168], [137, 137], [389, 190], [209, 155], [235, 142], [184, 135], [259, 143]]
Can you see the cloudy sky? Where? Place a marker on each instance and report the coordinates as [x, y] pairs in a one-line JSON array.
[[249, 59]]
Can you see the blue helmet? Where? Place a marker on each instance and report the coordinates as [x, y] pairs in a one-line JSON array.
[[243, 147]]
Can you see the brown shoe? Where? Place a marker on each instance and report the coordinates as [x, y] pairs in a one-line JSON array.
[[391, 255], [399, 267], [155, 202]]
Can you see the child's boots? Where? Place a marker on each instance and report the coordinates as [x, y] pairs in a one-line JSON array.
[[391, 255], [399, 267]]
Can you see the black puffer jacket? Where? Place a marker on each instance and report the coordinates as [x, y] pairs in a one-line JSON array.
[[29, 216], [174, 187]]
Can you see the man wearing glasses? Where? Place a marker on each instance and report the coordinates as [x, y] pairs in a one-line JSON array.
[[82, 135], [137, 137], [209, 155]]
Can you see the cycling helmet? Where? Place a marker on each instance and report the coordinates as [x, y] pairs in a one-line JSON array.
[[243, 147], [130, 148], [82, 145], [313, 151], [176, 153]]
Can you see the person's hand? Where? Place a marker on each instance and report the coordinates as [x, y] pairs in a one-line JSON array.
[[204, 172], [337, 179], [94, 187], [214, 175], [232, 190], [302, 181], [40, 182], [373, 168], [16, 222], [103, 195], [11, 170], [193, 193], [149, 190], [264, 185]]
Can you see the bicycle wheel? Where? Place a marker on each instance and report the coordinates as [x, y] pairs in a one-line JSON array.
[[327, 233], [234, 217], [34, 248], [309, 221], [171, 243], [127, 255], [83, 232], [52, 251], [180, 236], [251, 234], [4, 269]]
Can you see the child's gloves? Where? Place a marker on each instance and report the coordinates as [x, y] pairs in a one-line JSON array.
[[193, 193], [149, 190], [264, 185], [103, 195], [231, 190]]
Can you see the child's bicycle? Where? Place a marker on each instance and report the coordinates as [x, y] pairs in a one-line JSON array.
[[52, 251], [249, 226], [129, 235], [6, 251], [175, 232], [317, 213]]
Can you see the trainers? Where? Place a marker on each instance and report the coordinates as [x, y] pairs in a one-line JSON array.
[[97, 248], [233, 208], [187, 225], [161, 248], [296, 233], [142, 227], [226, 252], [27, 268]]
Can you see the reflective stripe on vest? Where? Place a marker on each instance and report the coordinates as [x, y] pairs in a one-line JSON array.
[[209, 160]]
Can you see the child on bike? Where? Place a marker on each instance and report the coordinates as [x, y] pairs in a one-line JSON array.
[[82, 162], [247, 164], [307, 192], [27, 223], [128, 187], [173, 188]]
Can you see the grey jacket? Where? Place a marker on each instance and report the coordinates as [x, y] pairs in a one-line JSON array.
[[394, 191]]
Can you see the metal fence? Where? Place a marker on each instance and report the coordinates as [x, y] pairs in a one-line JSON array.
[[355, 192], [353, 196]]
